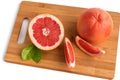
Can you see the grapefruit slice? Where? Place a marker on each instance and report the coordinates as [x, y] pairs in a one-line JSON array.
[[69, 53], [87, 47], [46, 31]]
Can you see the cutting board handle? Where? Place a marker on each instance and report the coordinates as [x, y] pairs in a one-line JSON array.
[[23, 31]]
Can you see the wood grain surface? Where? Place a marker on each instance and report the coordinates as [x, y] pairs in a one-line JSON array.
[[100, 66]]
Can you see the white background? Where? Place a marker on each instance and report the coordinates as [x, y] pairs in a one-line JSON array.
[[10, 71]]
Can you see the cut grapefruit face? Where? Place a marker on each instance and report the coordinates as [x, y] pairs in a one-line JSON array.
[[88, 48], [46, 31], [69, 53]]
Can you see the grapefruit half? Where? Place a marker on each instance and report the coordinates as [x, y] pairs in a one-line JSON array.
[[46, 31]]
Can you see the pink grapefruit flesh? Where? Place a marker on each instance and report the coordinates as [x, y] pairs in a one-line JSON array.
[[46, 31], [69, 53], [87, 47]]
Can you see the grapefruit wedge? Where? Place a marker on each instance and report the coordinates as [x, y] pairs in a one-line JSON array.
[[69, 53], [46, 31], [87, 47]]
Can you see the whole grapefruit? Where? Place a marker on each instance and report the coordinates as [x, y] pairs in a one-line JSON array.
[[95, 25], [46, 31]]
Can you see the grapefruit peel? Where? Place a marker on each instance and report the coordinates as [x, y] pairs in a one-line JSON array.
[[95, 25]]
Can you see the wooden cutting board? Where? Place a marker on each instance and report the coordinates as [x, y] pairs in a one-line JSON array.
[[101, 66]]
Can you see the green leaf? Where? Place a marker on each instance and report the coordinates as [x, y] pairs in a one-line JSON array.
[[31, 52], [36, 55], [26, 52]]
